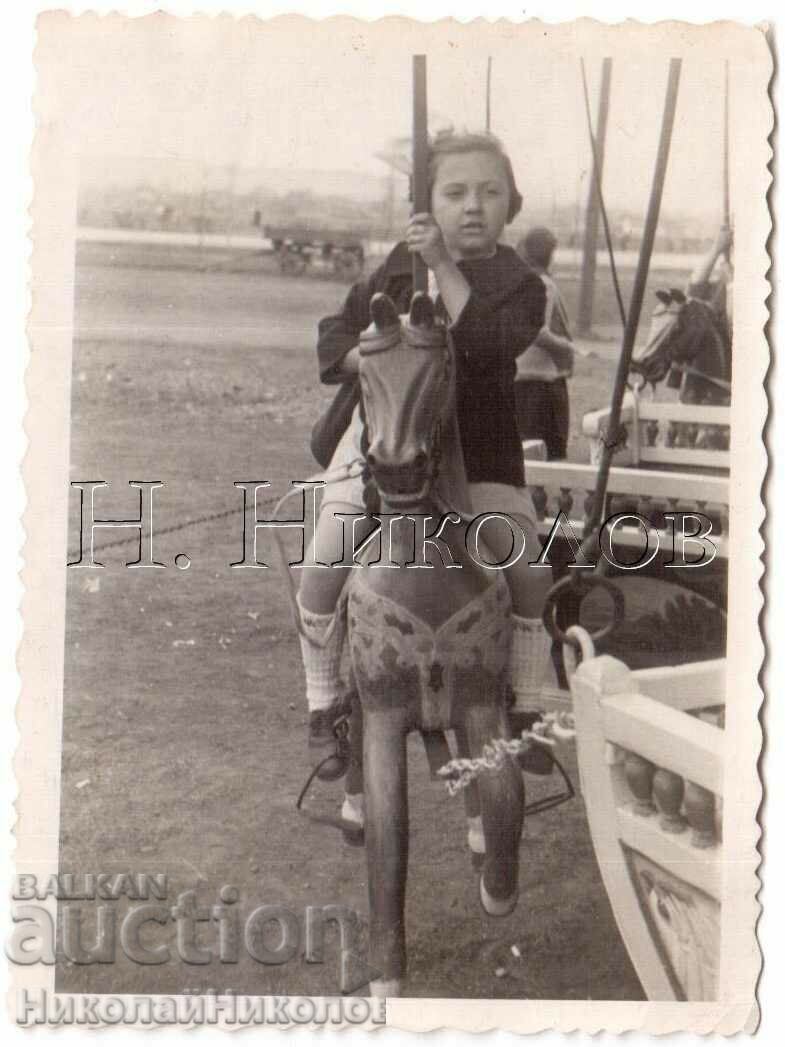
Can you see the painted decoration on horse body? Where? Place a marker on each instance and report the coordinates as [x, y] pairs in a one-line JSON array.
[[466, 656]]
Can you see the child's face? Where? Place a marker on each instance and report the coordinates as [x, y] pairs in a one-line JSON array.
[[470, 200]]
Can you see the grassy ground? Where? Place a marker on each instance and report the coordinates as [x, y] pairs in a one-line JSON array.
[[184, 715]]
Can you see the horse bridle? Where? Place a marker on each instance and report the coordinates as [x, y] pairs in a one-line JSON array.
[[688, 369], [683, 368], [436, 428], [435, 434]]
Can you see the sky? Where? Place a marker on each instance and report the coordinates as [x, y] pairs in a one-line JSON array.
[[327, 96]]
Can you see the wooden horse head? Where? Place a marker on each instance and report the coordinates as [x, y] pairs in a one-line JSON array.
[[686, 335], [407, 374]]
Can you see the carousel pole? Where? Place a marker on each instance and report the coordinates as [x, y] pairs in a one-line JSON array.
[[597, 184], [420, 159], [725, 159], [437, 749], [488, 95], [631, 327], [594, 204], [562, 604]]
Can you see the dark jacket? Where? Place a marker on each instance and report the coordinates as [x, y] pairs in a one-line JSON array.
[[503, 315]]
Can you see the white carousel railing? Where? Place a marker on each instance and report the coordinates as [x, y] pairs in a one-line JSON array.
[[664, 433], [568, 487], [650, 753]]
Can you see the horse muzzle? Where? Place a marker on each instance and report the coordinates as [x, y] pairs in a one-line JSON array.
[[403, 485]]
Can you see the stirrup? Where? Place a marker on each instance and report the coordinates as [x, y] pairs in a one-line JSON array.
[[537, 759], [328, 742]]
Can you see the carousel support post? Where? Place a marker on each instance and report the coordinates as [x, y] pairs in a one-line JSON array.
[[488, 95], [570, 590], [588, 272], [725, 157], [436, 747], [636, 301], [420, 160]]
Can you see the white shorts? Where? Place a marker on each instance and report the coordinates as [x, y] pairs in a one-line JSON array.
[[349, 491], [486, 497], [504, 498]]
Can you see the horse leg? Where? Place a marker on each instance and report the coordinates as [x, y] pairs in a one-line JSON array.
[[471, 801], [353, 809], [386, 844], [502, 801]]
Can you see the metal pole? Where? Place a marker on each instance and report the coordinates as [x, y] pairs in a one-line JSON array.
[[488, 96], [420, 159], [636, 301], [586, 300], [725, 158], [601, 201]]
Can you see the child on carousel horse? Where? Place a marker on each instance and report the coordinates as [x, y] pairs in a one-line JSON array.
[[713, 283], [494, 306]]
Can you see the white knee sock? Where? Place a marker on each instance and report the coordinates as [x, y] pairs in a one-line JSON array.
[[322, 647], [476, 835], [353, 808], [529, 657]]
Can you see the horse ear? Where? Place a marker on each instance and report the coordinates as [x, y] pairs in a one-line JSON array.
[[421, 313], [678, 296], [383, 312], [664, 297]]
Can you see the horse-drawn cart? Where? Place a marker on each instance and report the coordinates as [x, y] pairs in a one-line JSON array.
[[303, 247]]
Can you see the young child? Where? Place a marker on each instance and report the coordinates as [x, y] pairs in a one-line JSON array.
[[713, 283], [494, 304], [541, 395]]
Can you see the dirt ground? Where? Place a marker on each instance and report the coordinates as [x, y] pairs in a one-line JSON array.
[[184, 712]]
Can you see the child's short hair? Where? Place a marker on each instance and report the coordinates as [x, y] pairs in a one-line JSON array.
[[538, 246], [447, 143]]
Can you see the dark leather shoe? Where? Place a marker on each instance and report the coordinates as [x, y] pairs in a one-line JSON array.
[[537, 759], [523, 720], [325, 745]]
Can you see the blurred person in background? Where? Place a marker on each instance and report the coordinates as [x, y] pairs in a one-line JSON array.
[[541, 395]]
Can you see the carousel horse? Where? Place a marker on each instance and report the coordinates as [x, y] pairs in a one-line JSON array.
[[690, 347], [429, 647]]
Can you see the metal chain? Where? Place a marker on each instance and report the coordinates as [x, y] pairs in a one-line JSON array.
[[172, 528], [262, 503], [461, 771]]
